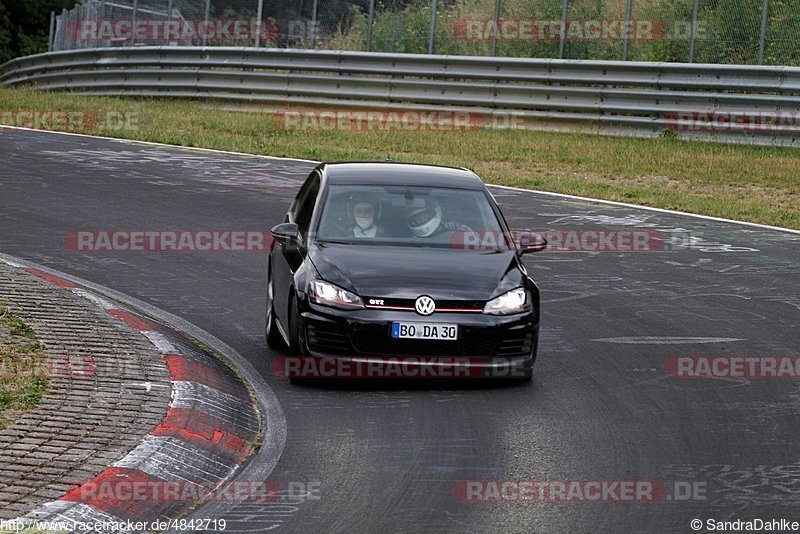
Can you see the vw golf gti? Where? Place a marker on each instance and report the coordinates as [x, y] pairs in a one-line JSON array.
[[412, 264]]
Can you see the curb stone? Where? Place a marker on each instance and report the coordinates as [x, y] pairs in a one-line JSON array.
[[210, 427]]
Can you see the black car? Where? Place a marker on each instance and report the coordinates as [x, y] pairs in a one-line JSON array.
[[402, 263]]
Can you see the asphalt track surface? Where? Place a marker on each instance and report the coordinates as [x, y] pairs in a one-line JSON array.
[[600, 407]]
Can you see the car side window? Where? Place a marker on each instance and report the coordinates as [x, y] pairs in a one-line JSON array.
[[303, 208], [291, 216]]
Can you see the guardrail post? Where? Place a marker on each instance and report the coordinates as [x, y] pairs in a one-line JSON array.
[[432, 36], [85, 14], [102, 11], [61, 29], [52, 31], [763, 36], [563, 35], [693, 34], [205, 26], [626, 37], [133, 18], [369, 24], [259, 15], [496, 24], [75, 16], [169, 22], [314, 24]]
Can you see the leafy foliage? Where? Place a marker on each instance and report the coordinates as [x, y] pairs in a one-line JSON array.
[[728, 30], [25, 26]]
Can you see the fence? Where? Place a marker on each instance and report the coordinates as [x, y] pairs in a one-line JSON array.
[[703, 31], [721, 102]]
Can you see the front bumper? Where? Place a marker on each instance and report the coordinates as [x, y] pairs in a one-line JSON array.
[[488, 346]]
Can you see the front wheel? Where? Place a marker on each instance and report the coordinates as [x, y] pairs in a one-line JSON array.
[[297, 346], [274, 338]]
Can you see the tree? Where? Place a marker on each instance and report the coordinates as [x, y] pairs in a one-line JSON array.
[[25, 26]]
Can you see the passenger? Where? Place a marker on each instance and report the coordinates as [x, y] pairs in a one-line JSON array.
[[367, 219]]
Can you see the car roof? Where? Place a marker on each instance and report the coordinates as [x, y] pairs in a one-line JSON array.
[[390, 173]]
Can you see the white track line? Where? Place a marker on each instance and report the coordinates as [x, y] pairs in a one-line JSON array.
[[152, 143], [533, 191], [648, 208]]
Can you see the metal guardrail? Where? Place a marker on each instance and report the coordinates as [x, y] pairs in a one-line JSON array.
[[722, 102]]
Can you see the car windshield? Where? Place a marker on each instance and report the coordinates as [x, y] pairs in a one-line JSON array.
[[407, 216]]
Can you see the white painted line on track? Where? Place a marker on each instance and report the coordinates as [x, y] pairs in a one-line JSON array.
[[648, 208], [656, 340], [153, 143], [519, 189]]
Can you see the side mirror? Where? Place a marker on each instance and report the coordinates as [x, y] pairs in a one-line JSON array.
[[286, 233], [532, 243]]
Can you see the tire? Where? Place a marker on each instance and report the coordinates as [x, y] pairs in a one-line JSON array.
[[296, 346], [274, 338]]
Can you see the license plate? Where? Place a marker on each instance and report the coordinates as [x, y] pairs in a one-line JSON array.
[[442, 332]]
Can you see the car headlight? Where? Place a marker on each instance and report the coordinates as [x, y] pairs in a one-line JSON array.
[[515, 301], [328, 294]]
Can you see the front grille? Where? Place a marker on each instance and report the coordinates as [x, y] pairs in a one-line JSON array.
[[327, 338], [465, 305], [474, 305], [369, 340]]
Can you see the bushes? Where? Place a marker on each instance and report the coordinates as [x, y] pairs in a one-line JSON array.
[[728, 30], [25, 26]]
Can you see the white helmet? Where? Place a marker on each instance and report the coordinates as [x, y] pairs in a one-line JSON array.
[[424, 221]]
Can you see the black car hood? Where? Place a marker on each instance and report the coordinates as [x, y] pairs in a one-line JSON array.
[[406, 272]]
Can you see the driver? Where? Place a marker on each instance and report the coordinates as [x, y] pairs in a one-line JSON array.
[[365, 217], [427, 221]]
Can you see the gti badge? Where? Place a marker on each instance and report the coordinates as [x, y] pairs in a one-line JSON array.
[[425, 305]]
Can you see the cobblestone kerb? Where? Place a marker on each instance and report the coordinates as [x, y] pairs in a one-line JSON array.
[[143, 404]]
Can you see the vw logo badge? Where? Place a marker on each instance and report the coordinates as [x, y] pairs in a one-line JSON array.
[[425, 305]]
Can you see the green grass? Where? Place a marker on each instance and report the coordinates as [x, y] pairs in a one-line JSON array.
[[750, 183], [23, 373]]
